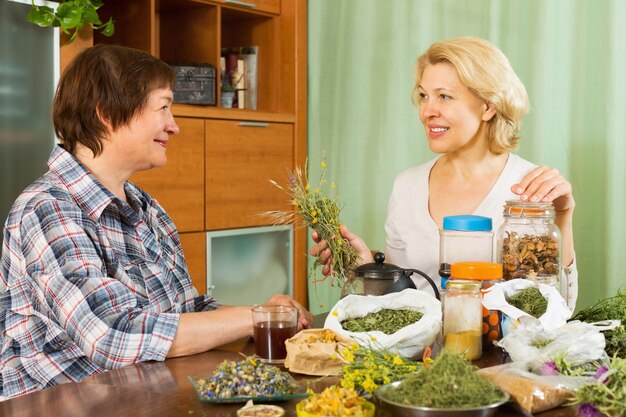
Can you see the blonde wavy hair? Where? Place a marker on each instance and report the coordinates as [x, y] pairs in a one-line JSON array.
[[486, 71]]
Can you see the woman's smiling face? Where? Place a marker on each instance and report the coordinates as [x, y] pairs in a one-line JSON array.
[[142, 143], [453, 116]]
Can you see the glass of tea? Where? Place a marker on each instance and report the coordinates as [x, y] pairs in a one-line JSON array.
[[273, 325]]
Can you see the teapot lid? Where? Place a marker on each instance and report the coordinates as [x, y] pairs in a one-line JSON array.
[[378, 269]]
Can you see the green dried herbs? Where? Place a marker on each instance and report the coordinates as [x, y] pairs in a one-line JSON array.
[[530, 301], [541, 343], [611, 308], [606, 396], [386, 321], [449, 382]]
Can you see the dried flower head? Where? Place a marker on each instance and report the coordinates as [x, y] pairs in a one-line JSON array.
[[314, 208]]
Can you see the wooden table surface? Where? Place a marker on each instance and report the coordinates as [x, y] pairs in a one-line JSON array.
[[161, 389]]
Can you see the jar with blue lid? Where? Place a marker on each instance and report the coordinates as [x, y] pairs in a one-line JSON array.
[[464, 238]]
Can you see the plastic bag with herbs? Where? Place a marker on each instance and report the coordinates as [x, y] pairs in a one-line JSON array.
[[576, 342], [498, 296], [532, 392], [410, 340]]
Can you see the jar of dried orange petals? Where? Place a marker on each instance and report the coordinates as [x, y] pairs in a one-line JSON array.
[[529, 242]]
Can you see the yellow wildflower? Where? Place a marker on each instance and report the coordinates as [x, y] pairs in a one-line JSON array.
[[323, 164], [335, 313], [397, 360], [314, 213], [314, 221]]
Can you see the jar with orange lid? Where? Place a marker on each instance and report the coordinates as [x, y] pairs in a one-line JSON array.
[[462, 318], [487, 274], [529, 242]]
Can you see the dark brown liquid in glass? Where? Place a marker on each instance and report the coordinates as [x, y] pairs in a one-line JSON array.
[[270, 337]]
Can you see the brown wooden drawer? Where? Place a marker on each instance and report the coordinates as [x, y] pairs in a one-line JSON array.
[[269, 6], [179, 185], [241, 158], [194, 248]]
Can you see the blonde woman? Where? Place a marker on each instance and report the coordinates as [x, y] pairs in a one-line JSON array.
[[471, 104]]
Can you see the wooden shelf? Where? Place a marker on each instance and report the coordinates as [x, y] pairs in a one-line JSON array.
[[217, 144]]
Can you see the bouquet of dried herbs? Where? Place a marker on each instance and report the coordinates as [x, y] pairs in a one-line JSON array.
[[367, 368], [530, 301], [611, 308], [319, 211], [607, 395], [449, 382]]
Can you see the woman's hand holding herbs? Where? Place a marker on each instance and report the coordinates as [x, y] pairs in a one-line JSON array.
[[322, 251]]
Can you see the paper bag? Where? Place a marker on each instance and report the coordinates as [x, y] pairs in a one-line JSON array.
[[307, 354]]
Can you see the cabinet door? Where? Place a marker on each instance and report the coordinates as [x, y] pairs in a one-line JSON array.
[[194, 248], [179, 185], [270, 6], [241, 158]]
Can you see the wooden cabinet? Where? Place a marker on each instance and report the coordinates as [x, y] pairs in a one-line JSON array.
[[194, 248], [179, 185], [219, 166], [241, 158]]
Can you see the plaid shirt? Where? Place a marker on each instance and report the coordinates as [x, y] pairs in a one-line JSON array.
[[88, 282]]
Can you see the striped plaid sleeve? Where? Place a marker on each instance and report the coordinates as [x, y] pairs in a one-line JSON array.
[[99, 313]]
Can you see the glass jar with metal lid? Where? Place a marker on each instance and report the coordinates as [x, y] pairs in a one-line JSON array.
[[487, 274], [462, 318], [529, 242]]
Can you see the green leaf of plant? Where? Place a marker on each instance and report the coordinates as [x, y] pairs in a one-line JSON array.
[[41, 16], [109, 28], [90, 15], [96, 3], [69, 14]]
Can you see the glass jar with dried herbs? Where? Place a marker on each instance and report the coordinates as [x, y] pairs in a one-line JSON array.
[[529, 242]]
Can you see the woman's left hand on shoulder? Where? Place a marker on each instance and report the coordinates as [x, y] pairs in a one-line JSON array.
[[545, 184]]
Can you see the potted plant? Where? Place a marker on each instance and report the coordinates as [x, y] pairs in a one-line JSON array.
[[71, 16]]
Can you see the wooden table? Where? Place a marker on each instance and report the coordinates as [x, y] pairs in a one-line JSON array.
[[161, 389]]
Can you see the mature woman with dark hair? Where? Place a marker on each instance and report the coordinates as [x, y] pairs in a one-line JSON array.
[[92, 274], [471, 104]]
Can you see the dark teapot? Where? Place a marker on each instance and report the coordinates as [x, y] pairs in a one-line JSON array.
[[379, 278]]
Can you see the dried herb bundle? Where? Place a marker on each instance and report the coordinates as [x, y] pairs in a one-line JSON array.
[[450, 382], [611, 308], [321, 213], [607, 395], [386, 321], [529, 255], [530, 301]]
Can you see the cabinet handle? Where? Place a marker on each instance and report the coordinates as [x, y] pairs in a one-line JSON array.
[[241, 3], [254, 124]]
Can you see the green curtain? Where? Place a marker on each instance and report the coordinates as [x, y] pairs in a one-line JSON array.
[[570, 54]]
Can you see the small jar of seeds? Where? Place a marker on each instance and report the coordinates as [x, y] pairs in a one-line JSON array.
[[529, 243]]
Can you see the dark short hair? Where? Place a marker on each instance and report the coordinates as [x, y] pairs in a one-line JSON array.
[[109, 82]]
